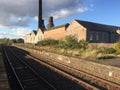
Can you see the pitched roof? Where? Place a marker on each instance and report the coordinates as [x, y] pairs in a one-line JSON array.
[[63, 25], [97, 26], [35, 32]]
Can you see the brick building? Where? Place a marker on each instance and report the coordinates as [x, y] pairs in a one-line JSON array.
[[57, 33], [93, 32], [82, 30]]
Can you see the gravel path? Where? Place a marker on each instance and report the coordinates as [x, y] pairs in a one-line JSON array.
[[113, 62]]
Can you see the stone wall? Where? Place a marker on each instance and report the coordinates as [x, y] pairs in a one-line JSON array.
[[107, 45], [106, 72]]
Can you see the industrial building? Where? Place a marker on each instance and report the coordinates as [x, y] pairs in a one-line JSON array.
[[82, 30]]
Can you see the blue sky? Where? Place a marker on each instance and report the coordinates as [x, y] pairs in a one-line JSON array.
[[100, 11], [20, 17]]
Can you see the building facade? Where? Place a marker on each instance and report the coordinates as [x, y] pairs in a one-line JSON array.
[[93, 32], [82, 30], [57, 33]]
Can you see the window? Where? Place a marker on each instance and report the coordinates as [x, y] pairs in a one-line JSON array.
[[91, 36], [97, 36]]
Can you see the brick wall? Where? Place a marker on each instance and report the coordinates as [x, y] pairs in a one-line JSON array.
[[73, 29], [106, 72], [77, 30], [58, 33]]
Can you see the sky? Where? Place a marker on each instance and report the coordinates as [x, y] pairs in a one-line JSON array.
[[20, 17]]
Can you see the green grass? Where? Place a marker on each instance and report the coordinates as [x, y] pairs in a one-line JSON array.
[[82, 53], [71, 47]]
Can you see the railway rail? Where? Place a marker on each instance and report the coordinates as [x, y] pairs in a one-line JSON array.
[[99, 82], [26, 76], [86, 80], [61, 72]]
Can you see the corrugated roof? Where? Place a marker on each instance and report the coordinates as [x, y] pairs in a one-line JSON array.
[[97, 26]]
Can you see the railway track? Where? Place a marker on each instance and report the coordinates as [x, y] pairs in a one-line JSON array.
[[77, 76], [96, 81], [55, 69], [27, 78]]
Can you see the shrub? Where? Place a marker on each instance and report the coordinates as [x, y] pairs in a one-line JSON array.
[[109, 50], [42, 43], [83, 44], [70, 39], [53, 42], [63, 44], [117, 47], [90, 54], [70, 42], [105, 56], [47, 42], [97, 53]]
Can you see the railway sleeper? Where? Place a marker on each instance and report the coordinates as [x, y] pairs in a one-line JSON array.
[[34, 84], [21, 67], [26, 77], [31, 83], [35, 87], [30, 80]]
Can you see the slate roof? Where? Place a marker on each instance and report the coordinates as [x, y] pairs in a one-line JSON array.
[[63, 25], [35, 32], [97, 26]]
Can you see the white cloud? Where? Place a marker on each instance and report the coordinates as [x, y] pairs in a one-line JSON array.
[[19, 13], [64, 8], [66, 12], [4, 27], [18, 10], [15, 33], [60, 14], [20, 32], [36, 18], [81, 10]]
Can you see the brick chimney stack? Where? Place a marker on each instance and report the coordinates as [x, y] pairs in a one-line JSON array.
[[50, 22]]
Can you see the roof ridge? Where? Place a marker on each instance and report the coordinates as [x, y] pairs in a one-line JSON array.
[[62, 25], [96, 23], [97, 26]]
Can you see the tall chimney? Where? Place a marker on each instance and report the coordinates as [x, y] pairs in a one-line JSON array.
[[43, 25], [50, 22], [40, 14]]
